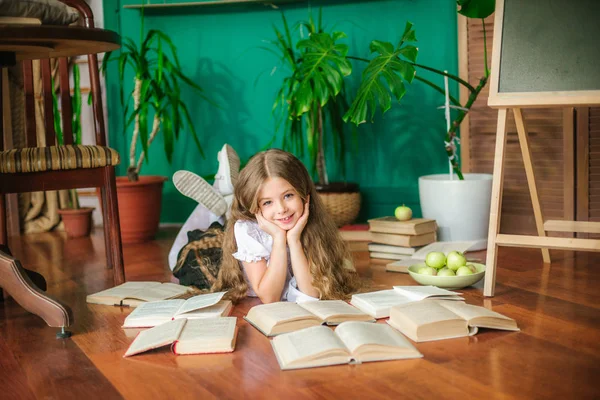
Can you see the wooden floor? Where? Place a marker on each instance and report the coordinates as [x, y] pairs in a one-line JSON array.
[[556, 355]]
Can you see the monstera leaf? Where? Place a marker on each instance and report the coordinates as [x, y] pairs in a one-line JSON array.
[[476, 8], [320, 76], [392, 66]]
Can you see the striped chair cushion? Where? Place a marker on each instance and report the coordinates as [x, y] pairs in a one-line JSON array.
[[54, 158]]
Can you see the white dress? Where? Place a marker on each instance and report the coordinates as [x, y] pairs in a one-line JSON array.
[[254, 245]]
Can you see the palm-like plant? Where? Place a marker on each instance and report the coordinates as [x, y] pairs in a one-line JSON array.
[[479, 9], [314, 94], [157, 88], [315, 86]]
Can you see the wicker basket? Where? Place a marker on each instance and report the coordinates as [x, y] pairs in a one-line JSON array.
[[343, 207]]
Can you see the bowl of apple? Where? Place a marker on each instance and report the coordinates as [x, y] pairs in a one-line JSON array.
[[451, 271]]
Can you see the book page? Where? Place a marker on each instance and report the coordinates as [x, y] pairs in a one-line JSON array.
[[419, 293], [200, 301], [325, 309], [307, 343], [355, 334], [154, 310], [125, 290], [383, 298], [158, 336], [444, 247], [470, 312], [276, 312], [160, 292], [221, 309], [208, 329], [424, 312]]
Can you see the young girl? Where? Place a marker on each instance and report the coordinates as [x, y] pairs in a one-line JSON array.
[[280, 243]]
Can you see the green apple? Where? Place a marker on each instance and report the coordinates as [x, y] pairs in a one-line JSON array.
[[464, 271], [403, 213], [455, 260], [435, 259], [446, 272], [427, 271], [472, 268]]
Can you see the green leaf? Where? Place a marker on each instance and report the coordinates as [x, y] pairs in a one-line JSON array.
[[409, 52], [57, 127], [76, 104], [387, 68], [186, 114], [383, 48], [409, 34], [476, 8]]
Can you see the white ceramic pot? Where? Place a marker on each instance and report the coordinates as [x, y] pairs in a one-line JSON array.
[[461, 208]]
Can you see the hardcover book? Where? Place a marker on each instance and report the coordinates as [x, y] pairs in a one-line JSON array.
[[403, 240], [351, 342], [133, 294], [415, 226], [276, 318], [434, 320], [378, 304], [158, 312], [193, 336]]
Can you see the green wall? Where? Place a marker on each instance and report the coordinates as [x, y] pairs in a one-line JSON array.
[[219, 49]]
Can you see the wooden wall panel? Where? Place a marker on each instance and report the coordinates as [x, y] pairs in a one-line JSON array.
[[547, 142], [593, 175]]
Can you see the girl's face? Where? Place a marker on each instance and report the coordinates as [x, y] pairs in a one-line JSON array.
[[280, 203]]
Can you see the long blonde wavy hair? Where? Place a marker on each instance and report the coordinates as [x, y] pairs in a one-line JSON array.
[[329, 259]]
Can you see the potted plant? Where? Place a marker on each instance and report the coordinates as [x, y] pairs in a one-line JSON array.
[[157, 99], [77, 220], [464, 213], [311, 103]]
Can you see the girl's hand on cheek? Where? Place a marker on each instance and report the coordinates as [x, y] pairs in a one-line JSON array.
[[269, 227], [295, 233]]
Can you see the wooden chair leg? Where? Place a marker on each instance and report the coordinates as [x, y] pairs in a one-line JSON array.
[[496, 206], [112, 220], [107, 232]]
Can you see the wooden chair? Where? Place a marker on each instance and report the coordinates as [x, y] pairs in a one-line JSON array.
[[54, 167]]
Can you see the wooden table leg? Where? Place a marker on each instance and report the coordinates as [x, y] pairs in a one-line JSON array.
[[496, 204], [535, 200]]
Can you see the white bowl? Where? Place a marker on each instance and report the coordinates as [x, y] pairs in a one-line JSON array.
[[447, 282]]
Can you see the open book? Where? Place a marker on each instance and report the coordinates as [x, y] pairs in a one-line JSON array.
[[133, 294], [434, 320], [352, 342], [158, 312], [378, 304], [419, 255], [188, 336], [276, 318]]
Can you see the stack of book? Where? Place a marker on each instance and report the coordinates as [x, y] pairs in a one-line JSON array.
[[392, 239], [357, 236]]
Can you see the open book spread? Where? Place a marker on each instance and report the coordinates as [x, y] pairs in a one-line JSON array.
[[276, 318], [351, 342], [419, 255], [133, 294], [158, 312], [434, 320], [377, 304], [193, 336]]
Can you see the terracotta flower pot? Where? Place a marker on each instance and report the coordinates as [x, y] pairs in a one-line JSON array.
[[78, 222], [139, 207]]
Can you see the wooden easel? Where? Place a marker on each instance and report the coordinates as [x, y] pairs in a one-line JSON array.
[[516, 100]]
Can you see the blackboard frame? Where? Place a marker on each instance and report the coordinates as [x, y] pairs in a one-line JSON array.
[[498, 99]]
